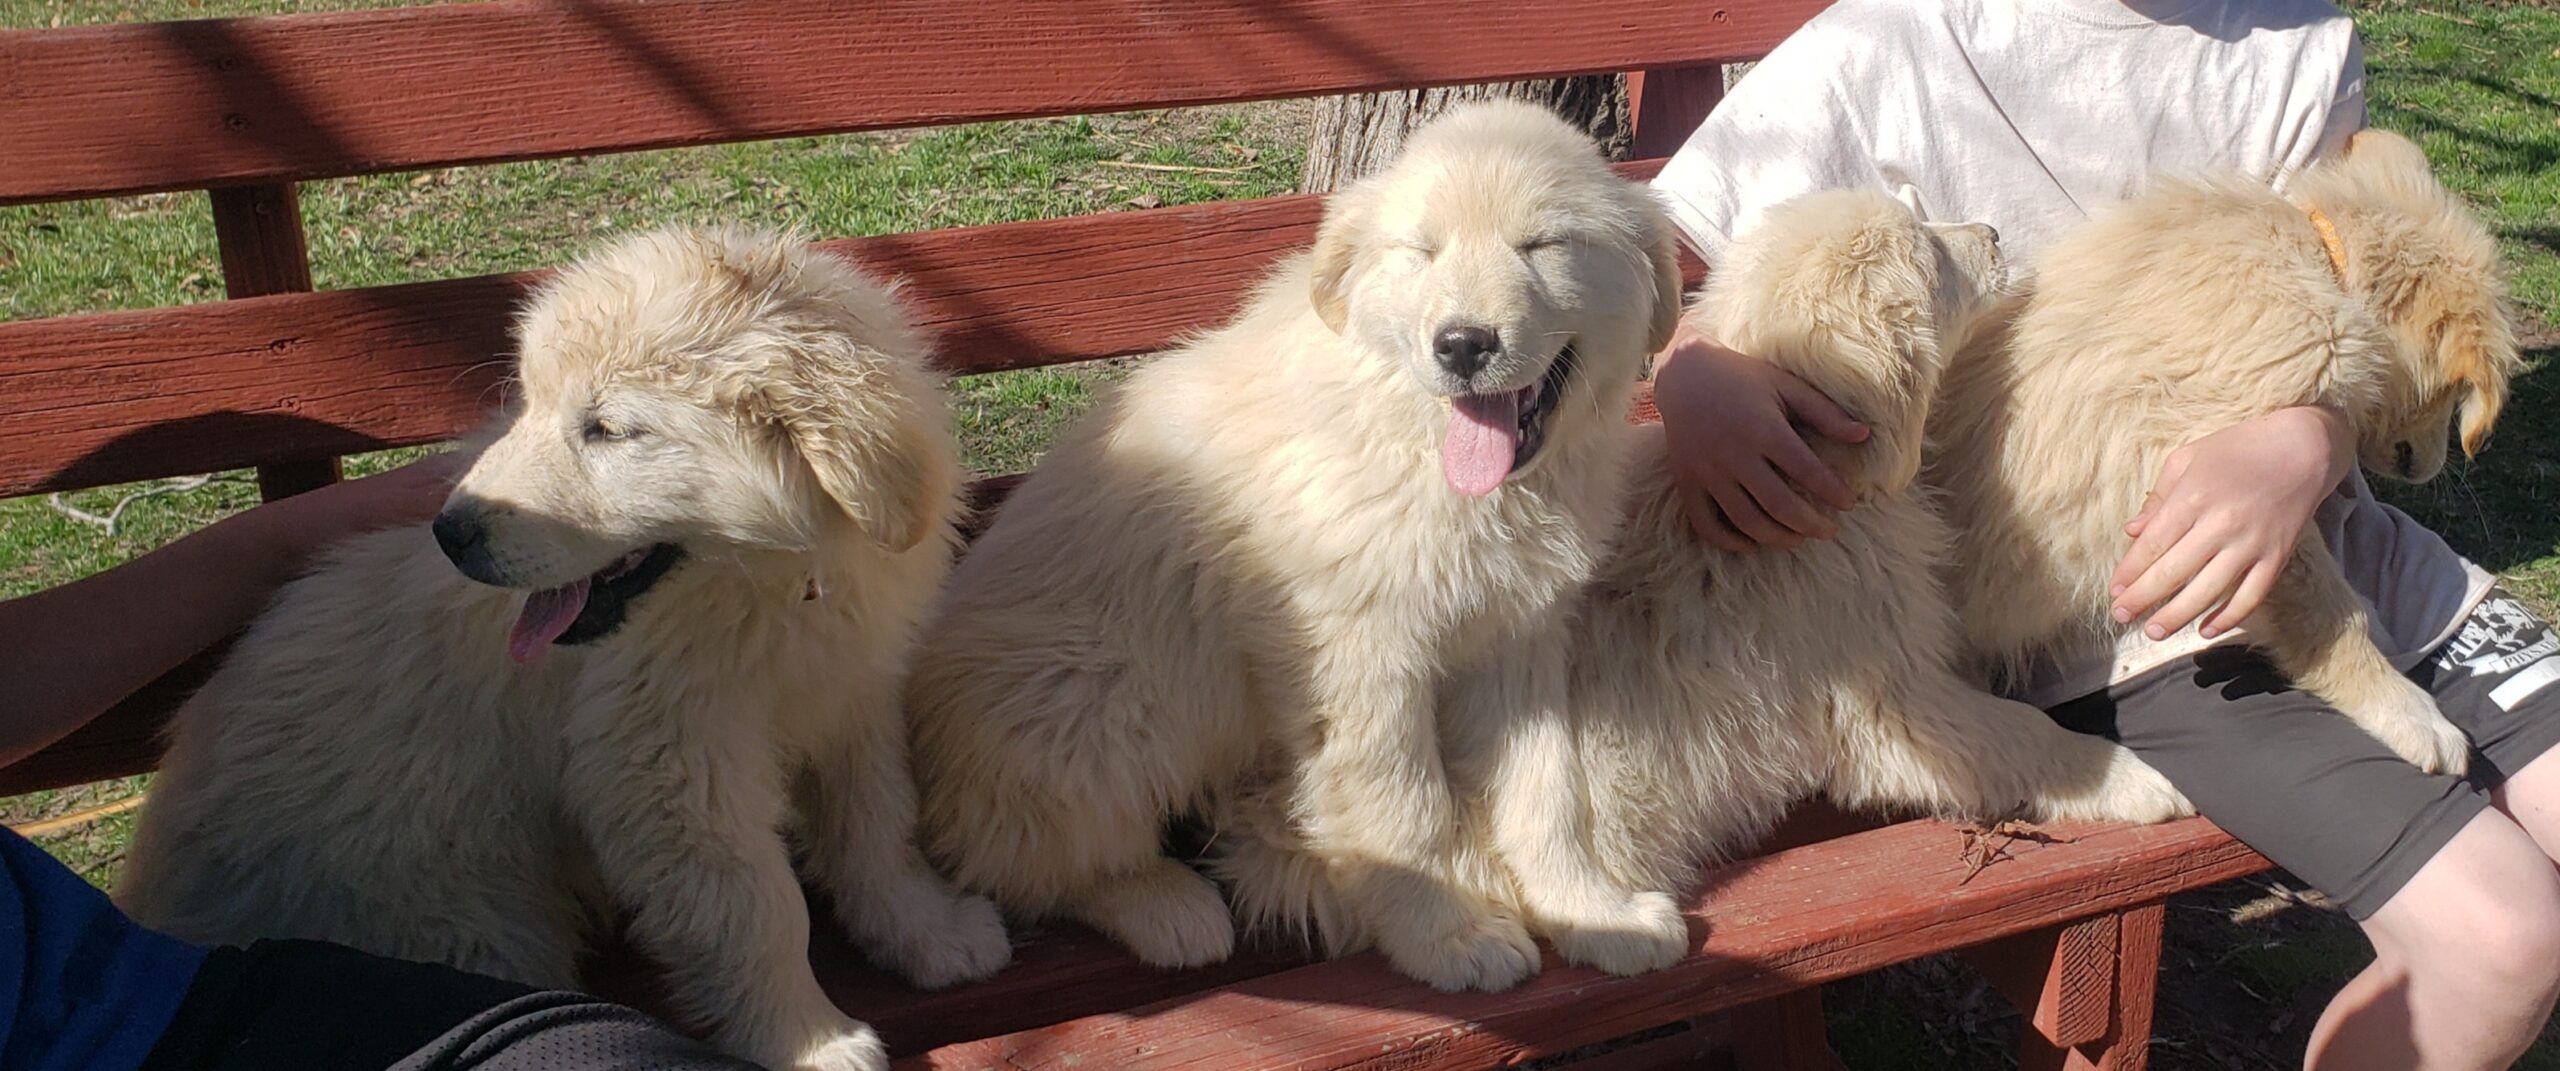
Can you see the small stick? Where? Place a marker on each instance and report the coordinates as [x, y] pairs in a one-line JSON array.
[[1186, 168], [76, 819]]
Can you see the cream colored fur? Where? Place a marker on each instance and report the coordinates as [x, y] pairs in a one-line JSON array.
[[1246, 576], [1712, 692], [2190, 309], [369, 766]]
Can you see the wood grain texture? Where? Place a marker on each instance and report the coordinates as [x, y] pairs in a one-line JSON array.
[[93, 111], [1765, 927], [108, 398], [259, 232], [2062, 980]]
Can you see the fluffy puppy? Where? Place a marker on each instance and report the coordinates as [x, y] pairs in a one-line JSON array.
[[1291, 552], [1712, 692], [664, 615], [2194, 307]]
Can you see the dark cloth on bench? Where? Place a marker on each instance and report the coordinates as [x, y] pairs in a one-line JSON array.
[[322, 1007], [2294, 779], [82, 988]]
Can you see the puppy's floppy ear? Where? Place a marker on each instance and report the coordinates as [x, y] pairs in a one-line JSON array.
[[2379, 147], [1336, 251], [2477, 356], [1665, 253], [873, 432]]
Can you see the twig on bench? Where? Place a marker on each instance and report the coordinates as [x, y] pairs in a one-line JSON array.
[[1983, 847], [111, 518]]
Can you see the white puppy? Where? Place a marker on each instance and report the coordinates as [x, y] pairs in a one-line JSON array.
[[721, 507], [1712, 692], [1286, 554], [2193, 308]]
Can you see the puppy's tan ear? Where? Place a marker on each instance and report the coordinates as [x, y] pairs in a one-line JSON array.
[[2373, 145], [1337, 250], [2475, 361], [1666, 287], [875, 434]]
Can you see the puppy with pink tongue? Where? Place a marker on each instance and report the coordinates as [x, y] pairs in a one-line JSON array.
[[1275, 611]]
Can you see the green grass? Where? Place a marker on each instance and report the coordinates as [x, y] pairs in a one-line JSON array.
[[140, 252], [2479, 86]]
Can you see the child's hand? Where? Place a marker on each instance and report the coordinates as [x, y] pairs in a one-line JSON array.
[[1730, 422], [410, 494], [2222, 522]]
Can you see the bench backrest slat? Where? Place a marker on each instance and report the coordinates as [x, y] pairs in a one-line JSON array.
[[187, 105], [91, 400]]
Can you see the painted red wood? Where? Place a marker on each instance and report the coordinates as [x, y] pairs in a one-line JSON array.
[[2062, 979], [91, 111], [259, 231], [91, 400], [1769, 926], [1783, 1033], [1669, 103]]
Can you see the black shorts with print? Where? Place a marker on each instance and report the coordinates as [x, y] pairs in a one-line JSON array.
[[2292, 778]]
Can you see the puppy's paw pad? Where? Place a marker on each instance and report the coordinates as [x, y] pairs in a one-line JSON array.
[[1646, 934], [968, 943], [1494, 954]]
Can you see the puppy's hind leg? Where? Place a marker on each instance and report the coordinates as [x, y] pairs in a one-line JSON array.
[[2315, 629], [1048, 797], [1541, 820], [1938, 743], [856, 810]]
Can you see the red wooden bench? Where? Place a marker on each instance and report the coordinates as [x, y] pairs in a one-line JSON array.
[[285, 380]]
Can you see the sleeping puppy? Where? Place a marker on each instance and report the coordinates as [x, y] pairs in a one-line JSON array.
[[664, 615], [1284, 557], [2199, 305], [1712, 691]]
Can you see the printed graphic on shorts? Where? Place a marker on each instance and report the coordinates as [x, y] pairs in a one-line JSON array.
[[2500, 638]]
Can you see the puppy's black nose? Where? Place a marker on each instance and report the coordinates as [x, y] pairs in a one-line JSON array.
[[461, 534], [1464, 350]]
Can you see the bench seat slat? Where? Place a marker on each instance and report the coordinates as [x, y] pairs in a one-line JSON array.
[[1765, 926], [94, 111]]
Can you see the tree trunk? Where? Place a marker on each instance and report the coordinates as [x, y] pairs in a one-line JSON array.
[[1360, 134]]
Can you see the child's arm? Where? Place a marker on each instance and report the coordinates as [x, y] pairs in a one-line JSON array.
[[2223, 520], [74, 651]]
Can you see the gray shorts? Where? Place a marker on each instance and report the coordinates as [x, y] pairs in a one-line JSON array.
[[2293, 779]]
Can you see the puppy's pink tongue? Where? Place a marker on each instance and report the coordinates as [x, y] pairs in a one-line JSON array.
[[1484, 435], [547, 614]]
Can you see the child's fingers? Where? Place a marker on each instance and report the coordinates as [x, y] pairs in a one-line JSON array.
[[2245, 602], [2167, 575], [1710, 524], [2209, 586], [2162, 533]]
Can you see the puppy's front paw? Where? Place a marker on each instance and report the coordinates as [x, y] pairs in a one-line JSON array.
[[2404, 717], [1647, 933], [1167, 915], [2134, 792], [1493, 953], [966, 943], [843, 1045]]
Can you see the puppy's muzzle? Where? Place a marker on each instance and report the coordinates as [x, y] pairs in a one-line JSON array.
[[462, 532]]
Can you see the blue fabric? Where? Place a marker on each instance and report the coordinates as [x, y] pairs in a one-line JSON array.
[[82, 988]]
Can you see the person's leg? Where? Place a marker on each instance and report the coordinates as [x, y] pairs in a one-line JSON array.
[[2462, 905], [2499, 680], [2466, 962], [321, 1007]]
